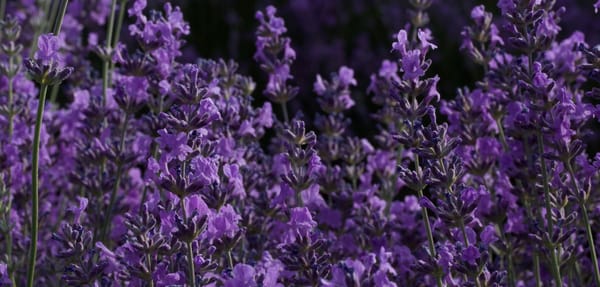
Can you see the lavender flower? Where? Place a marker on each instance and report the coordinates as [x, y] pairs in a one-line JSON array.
[[275, 55], [158, 169], [47, 67]]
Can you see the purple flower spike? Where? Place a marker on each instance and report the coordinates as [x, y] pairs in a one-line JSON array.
[[48, 67], [159, 168], [346, 76], [401, 42], [47, 52], [4, 277], [242, 276]]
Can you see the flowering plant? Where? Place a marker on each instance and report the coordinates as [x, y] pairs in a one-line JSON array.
[[125, 163]]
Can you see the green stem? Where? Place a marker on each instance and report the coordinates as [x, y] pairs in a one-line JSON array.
[[590, 239], [60, 17], [39, 29], [111, 23], [113, 194], [150, 268], [154, 148], [425, 215], [586, 222], [54, 95], [299, 200], [508, 255], [119, 24], [502, 135], [536, 268], [285, 112], [105, 70], [2, 8], [35, 162], [230, 259], [107, 60], [555, 264], [10, 99], [464, 232], [190, 255], [117, 30], [9, 243], [35, 186], [466, 239], [536, 255], [51, 15], [115, 38], [511, 270], [61, 11], [191, 263]]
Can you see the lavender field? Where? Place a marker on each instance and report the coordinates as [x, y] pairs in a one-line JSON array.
[[271, 143]]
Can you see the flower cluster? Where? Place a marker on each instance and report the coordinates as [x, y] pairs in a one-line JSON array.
[[124, 164]]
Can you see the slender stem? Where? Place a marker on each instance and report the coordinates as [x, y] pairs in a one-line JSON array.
[[511, 270], [113, 194], [117, 31], [150, 268], [60, 17], [590, 239], [586, 222], [502, 135], [536, 255], [54, 95], [111, 23], [9, 243], [536, 268], [35, 162], [107, 59], [51, 15], [2, 9], [298, 192], [61, 11], [299, 200], [192, 275], [464, 232], [105, 72], [190, 255], [425, 215], [115, 38], [145, 192], [39, 30], [285, 112], [545, 179], [430, 240], [35, 186], [508, 254], [10, 99], [428, 228], [230, 259], [154, 147], [466, 239]]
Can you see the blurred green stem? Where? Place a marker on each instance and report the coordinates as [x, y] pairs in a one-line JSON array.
[[586, 222], [555, 265], [425, 214], [35, 186], [190, 254]]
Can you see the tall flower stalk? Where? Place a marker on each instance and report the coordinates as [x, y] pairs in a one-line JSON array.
[[275, 55], [156, 169], [35, 185], [46, 68]]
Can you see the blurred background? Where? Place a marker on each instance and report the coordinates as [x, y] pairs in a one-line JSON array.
[[327, 34]]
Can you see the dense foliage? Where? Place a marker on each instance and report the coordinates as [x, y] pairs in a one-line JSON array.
[[125, 161]]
